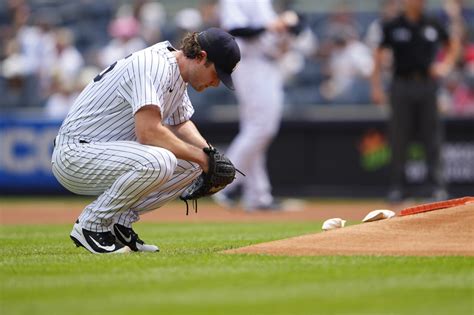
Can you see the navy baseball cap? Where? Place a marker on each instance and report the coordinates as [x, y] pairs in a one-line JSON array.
[[222, 50]]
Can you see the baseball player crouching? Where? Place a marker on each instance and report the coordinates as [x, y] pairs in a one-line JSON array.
[[129, 140]]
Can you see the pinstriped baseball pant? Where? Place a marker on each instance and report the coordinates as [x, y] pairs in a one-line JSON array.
[[129, 179], [260, 116]]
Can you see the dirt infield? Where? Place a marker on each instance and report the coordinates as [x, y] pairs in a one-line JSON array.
[[445, 232], [55, 211]]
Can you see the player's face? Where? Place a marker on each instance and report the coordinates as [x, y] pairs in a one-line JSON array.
[[202, 76], [417, 5]]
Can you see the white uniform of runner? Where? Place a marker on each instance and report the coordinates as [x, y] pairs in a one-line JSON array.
[[97, 152], [259, 89]]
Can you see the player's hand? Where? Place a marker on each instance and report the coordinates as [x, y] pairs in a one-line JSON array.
[[378, 96], [290, 18], [277, 26], [284, 22], [439, 70], [220, 173]]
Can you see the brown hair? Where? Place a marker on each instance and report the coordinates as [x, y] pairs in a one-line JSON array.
[[191, 48]]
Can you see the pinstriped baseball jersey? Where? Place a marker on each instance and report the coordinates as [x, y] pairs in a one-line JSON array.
[[240, 14], [104, 110]]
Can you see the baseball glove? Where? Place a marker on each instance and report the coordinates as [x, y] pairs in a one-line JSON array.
[[220, 174]]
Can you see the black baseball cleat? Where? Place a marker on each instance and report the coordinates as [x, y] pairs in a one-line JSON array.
[[439, 194], [97, 242], [275, 206], [128, 237], [395, 195], [224, 201]]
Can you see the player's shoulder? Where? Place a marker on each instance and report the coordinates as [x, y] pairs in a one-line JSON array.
[[158, 57], [160, 47], [396, 21], [432, 20], [159, 51]]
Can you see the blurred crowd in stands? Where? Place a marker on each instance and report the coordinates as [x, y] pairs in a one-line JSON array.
[[51, 49]]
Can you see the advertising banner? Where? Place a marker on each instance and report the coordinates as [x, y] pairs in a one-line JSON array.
[[337, 158]]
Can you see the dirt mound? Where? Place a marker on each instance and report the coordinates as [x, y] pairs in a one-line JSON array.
[[445, 232]]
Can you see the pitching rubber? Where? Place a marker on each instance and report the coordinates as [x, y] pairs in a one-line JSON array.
[[437, 205]]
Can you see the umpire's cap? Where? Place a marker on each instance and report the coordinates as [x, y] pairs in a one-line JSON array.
[[222, 50]]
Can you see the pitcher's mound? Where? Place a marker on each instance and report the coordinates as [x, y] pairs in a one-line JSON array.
[[445, 232]]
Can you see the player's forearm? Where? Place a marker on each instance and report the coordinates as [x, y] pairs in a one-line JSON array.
[[456, 29], [375, 77], [441, 69], [165, 138], [378, 94], [453, 52], [188, 132]]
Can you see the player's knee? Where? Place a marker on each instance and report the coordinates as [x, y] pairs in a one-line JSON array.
[[260, 133], [194, 170], [169, 162], [160, 165], [269, 131], [258, 140]]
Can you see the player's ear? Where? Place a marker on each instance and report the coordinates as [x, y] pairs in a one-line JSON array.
[[202, 56]]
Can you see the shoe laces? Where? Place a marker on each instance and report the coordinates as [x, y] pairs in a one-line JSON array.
[[104, 238], [194, 203], [134, 236]]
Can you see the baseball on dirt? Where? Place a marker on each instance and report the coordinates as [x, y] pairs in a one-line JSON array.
[[334, 223], [380, 214]]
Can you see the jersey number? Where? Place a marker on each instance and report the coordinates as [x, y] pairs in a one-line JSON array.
[[107, 70], [104, 72]]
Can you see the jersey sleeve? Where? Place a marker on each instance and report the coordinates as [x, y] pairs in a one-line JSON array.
[[140, 89], [231, 15], [183, 113], [264, 10], [443, 33], [238, 14]]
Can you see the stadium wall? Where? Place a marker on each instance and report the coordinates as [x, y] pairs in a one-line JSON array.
[[346, 156]]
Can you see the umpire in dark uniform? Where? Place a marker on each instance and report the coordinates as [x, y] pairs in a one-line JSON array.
[[414, 39]]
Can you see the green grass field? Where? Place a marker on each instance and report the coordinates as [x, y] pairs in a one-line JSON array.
[[43, 273]]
